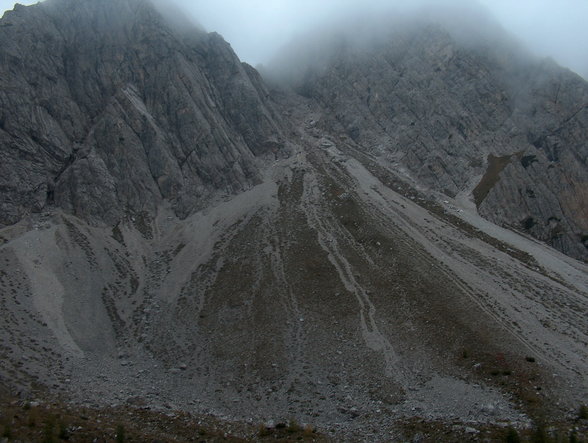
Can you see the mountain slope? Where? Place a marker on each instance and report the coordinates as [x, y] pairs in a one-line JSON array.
[[143, 267], [324, 294], [478, 120]]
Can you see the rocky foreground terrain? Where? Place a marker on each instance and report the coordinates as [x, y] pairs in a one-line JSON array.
[[180, 238]]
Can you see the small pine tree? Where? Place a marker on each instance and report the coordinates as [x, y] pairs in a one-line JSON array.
[[293, 426], [120, 434], [512, 436], [7, 433], [48, 433], [540, 435], [573, 437], [63, 432]]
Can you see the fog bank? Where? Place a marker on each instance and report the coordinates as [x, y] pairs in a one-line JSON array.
[[257, 29]]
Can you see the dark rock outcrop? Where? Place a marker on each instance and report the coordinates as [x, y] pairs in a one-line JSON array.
[[106, 109]]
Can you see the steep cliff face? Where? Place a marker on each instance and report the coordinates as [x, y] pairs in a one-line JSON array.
[[105, 109], [479, 119]]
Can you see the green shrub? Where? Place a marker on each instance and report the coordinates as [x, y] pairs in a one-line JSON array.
[[583, 412]]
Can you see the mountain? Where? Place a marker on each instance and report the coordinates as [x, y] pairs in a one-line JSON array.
[[182, 235], [106, 111], [480, 121]]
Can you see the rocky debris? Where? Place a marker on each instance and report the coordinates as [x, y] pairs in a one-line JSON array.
[[217, 346], [482, 119], [324, 286]]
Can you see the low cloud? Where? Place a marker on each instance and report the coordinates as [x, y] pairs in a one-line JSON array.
[[257, 29]]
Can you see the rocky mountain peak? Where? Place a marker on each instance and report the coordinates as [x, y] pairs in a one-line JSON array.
[[427, 100]]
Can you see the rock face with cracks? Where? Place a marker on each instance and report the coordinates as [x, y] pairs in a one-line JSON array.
[[482, 121], [106, 111], [176, 236]]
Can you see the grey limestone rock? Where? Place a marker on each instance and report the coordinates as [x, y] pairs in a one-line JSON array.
[[425, 102], [106, 109]]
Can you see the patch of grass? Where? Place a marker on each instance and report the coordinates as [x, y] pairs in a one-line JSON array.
[[491, 177], [309, 431], [46, 423], [583, 412], [264, 431]]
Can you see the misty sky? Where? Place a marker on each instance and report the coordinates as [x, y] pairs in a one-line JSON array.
[[258, 28]]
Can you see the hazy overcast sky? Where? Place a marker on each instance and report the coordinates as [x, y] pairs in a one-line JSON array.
[[257, 28]]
